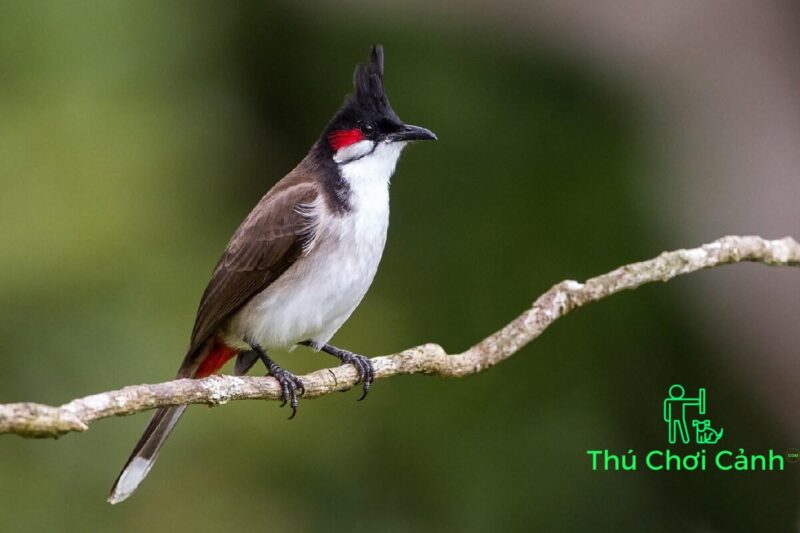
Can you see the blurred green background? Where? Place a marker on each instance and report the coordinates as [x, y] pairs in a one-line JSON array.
[[135, 136]]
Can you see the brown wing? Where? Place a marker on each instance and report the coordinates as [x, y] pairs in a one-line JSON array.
[[266, 244]]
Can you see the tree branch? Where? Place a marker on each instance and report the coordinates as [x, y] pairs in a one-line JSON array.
[[37, 420]]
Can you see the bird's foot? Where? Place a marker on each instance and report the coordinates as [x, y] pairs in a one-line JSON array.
[[366, 372], [291, 386]]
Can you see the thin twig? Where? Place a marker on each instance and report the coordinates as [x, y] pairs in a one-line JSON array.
[[37, 420]]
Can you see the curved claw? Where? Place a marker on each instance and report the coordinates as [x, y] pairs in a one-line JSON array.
[[358, 362], [284, 393], [369, 377], [291, 386], [363, 365], [366, 372], [293, 405]]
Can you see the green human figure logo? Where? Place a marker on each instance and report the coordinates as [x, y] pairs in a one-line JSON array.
[[678, 409]]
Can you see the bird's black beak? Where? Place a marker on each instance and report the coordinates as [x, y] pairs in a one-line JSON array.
[[411, 133]]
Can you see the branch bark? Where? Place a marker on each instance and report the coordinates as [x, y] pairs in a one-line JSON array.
[[37, 420]]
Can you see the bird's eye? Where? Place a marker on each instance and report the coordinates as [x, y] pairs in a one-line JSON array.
[[367, 128]]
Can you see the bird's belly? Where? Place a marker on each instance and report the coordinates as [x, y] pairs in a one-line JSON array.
[[317, 294]]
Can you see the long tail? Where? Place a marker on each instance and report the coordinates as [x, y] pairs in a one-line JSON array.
[[161, 425], [146, 452]]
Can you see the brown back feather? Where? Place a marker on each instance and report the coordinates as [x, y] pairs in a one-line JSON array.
[[266, 244]]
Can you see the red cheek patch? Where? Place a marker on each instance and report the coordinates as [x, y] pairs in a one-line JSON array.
[[343, 138]]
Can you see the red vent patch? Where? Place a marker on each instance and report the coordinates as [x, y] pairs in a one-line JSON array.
[[215, 359]]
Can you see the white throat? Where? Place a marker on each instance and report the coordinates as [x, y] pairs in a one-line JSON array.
[[368, 162]]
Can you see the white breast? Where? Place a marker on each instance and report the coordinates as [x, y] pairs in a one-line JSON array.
[[317, 294]]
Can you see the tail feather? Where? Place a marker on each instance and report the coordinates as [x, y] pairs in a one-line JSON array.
[[206, 361], [145, 453]]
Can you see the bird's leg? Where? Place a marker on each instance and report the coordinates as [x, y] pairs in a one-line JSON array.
[[366, 372], [291, 385]]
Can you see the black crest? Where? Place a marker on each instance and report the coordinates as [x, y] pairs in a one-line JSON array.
[[368, 81], [368, 102]]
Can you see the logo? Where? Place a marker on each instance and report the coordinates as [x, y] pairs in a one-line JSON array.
[[793, 455], [687, 427], [678, 409]]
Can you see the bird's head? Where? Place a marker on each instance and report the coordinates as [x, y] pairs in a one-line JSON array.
[[366, 125]]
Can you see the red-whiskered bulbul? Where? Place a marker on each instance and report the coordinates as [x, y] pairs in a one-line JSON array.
[[301, 261]]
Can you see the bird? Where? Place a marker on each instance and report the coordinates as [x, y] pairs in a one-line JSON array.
[[300, 262]]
